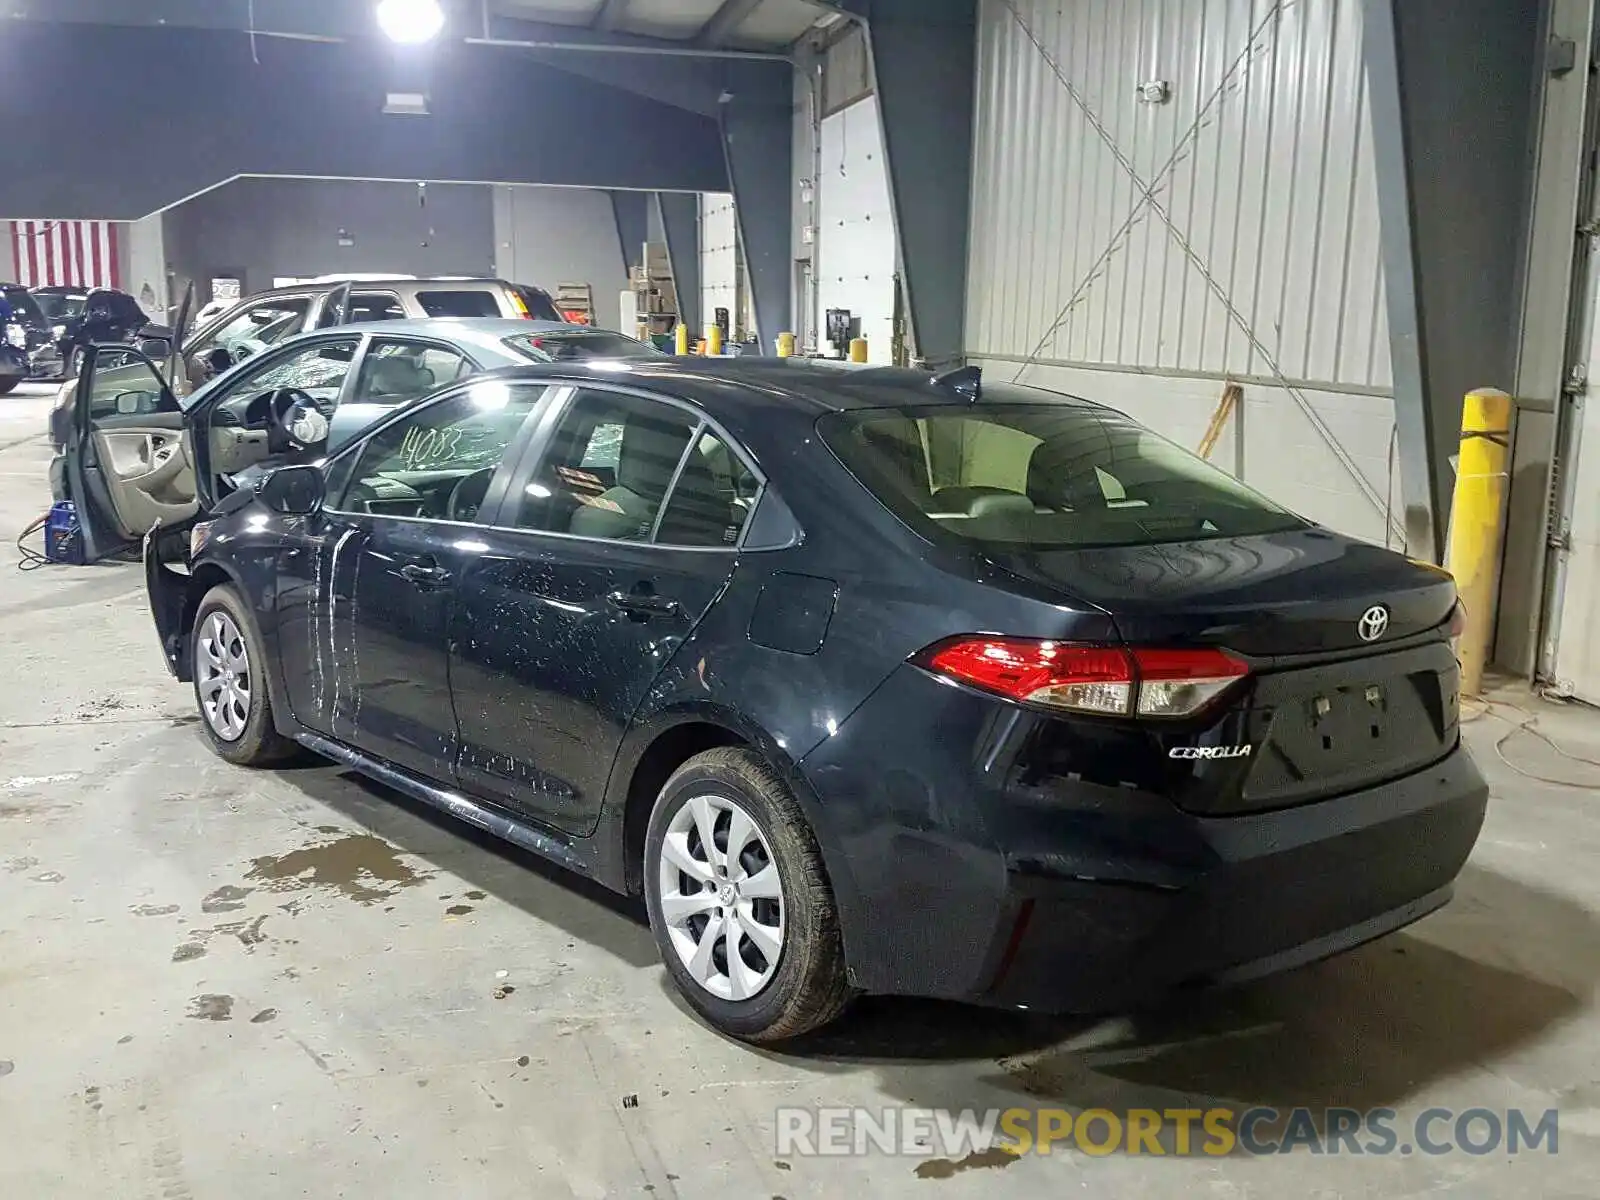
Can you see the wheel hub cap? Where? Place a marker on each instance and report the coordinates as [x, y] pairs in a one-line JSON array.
[[720, 898], [222, 672]]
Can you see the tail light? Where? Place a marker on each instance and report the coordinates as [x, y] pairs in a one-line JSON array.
[[1458, 626], [1108, 680]]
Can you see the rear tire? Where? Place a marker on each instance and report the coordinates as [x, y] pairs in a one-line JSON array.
[[7, 386], [769, 891], [230, 683]]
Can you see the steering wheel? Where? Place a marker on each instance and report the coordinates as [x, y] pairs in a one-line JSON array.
[[282, 403], [468, 495]]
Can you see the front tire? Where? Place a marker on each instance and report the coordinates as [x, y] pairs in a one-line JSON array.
[[230, 684], [9, 385], [739, 901]]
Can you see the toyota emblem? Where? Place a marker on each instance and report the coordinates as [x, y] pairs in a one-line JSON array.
[[1373, 623]]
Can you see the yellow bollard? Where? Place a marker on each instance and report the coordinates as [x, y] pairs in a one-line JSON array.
[[682, 340], [786, 345], [713, 339], [1477, 523], [858, 350]]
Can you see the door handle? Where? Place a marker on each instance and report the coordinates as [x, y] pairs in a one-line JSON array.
[[425, 574], [643, 605]]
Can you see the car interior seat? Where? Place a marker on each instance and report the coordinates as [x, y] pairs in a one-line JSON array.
[[648, 456], [400, 377]]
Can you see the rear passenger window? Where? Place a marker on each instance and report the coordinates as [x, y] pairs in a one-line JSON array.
[[629, 469], [459, 304]]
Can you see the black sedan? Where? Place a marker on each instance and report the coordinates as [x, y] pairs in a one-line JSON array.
[[866, 680]]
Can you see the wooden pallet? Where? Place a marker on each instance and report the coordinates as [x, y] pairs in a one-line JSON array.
[[575, 301]]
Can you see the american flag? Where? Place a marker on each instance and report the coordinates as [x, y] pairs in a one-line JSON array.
[[83, 253]]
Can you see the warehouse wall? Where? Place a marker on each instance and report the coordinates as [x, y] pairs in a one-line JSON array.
[[857, 258], [1257, 258], [719, 257], [269, 228], [550, 235]]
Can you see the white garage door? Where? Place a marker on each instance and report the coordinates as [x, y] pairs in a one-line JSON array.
[[856, 258]]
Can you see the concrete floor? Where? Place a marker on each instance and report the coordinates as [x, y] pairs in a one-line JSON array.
[[224, 983]]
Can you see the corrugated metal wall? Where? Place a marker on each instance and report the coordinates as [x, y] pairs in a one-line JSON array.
[[1228, 232]]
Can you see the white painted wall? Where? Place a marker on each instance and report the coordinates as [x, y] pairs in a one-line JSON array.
[[145, 273], [856, 256], [548, 236], [1258, 260], [719, 258]]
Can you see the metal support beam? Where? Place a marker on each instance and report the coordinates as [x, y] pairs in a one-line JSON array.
[[611, 14], [725, 20], [923, 59], [679, 215], [631, 210], [1421, 485], [757, 123], [1453, 226]]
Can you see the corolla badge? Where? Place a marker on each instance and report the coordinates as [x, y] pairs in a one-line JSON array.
[[1373, 623], [1210, 751]]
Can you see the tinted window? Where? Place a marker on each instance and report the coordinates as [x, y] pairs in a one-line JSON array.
[[459, 304], [1043, 475], [572, 347], [412, 467], [395, 371], [59, 307], [608, 468], [713, 498], [375, 306], [537, 301], [23, 305]]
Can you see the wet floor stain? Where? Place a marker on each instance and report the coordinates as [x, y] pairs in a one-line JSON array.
[[944, 1168], [49, 877], [188, 951], [262, 1017], [211, 1007], [458, 910], [6, 1067], [154, 910], [17, 866], [477, 895], [248, 932], [225, 899], [504, 990], [91, 1097], [360, 866]]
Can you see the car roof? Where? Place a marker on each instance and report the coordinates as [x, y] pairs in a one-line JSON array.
[[394, 282], [469, 331], [727, 387]]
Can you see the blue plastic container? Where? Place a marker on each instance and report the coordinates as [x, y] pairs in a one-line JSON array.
[[63, 543]]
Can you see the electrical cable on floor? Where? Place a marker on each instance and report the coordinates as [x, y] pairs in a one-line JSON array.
[[31, 559], [1529, 726]]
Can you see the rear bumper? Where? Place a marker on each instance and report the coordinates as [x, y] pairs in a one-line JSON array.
[[964, 877]]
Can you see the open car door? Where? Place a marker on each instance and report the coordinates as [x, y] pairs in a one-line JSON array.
[[127, 462]]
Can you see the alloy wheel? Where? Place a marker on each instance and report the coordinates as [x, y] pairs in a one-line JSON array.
[[224, 677], [721, 897]]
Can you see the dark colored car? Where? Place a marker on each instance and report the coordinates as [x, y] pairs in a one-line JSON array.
[[866, 680], [23, 328]]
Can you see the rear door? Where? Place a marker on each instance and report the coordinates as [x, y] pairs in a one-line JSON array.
[[128, 469]]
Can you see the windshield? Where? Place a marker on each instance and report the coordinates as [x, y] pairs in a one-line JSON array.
[[23, 306], [1043, 476], [58, 307], [577, 345]]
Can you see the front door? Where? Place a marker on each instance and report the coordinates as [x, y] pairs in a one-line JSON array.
[[603, 558], [126, 466], [375, 573]]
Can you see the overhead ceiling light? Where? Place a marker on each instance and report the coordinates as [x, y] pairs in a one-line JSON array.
[[410, 22]]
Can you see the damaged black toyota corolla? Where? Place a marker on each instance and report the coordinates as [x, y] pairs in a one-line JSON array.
[[867, 680]]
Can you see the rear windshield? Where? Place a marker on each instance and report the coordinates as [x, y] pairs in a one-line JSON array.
[[571, 347], [459, 304], [538, 303], [1043, 475], [57, 306], [23, 305]]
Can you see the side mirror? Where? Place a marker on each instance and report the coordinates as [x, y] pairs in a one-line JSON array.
[[294, 491], [155, 348]]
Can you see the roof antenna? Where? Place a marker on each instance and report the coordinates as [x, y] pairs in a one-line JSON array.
[[966, 380]]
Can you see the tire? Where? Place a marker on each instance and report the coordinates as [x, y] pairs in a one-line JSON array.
[[230, 686], [805, 986], [7, 386]]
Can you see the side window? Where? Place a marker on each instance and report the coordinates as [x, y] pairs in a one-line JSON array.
[[608, 468], [395, 371], [468, 302], [375, 306], [438, 460], [713, 498]]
